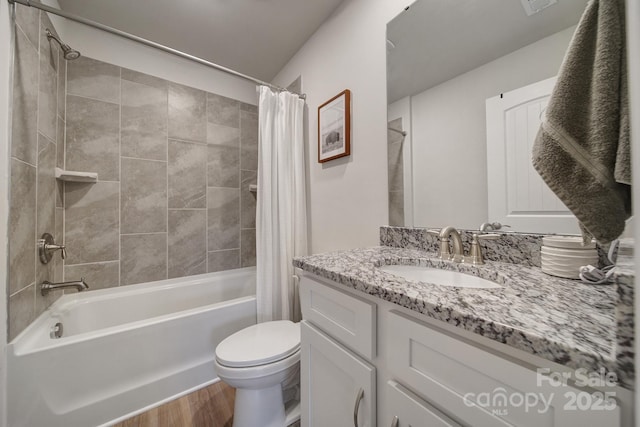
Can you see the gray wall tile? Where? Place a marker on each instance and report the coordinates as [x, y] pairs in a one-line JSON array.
[[28, 19], [46, 189], [144, 121], [224, 218], [222, 110], [187, 113], [22, 226], [62, 84], [223, 135], [24, 119], [58, 235], [92, 140], [248, 141], [187, 175], [187, 242], [48, 48], [223, 169], [98, 275], [93, 79], [21, 311], [249, 107], [92, 222], [46, 218], [248, 248], [144, 79], [223, 260], [47, 100], [143, 258], [396, 208], [60, 143], [223, 166], [248, 200], [144, 196]]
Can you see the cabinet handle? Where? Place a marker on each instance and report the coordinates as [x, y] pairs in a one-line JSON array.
[[395, 421], [357, 406]]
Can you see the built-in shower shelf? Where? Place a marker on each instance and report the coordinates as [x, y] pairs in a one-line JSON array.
[[253, 188], [75, 176]]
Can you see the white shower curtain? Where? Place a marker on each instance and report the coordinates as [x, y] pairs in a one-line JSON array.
[[281, 220]]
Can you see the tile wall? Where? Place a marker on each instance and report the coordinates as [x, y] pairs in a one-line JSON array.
[[174, 167], [395, 165], [37, 147]]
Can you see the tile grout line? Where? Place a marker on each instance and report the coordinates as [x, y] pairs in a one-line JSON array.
[[35, 229], [206, 181], [120, 178], [166, 267]]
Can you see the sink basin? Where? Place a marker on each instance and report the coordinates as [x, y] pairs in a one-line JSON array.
[[438, 277]]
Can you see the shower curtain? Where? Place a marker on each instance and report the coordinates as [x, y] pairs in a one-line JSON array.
[[281, 220]]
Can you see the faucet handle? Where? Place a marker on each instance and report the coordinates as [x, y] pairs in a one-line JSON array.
[[475, 254], [434, 231], [61, 248]]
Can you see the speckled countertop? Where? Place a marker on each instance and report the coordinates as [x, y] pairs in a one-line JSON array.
[[566, 321]]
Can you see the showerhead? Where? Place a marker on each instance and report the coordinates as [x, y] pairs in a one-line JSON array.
[[68, 53]]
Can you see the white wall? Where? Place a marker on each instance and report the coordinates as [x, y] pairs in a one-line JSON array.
[[6, 37], [347, 197], [125, 53], [449, 133]]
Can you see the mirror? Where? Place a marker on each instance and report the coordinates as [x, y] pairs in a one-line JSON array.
[[445, 58]]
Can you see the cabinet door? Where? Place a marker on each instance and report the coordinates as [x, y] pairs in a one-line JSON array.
[[408, 410], [336, 384]]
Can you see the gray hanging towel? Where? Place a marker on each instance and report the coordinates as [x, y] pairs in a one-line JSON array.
[[582, 149]]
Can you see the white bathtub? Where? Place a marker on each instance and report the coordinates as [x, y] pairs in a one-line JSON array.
[[124, 350]]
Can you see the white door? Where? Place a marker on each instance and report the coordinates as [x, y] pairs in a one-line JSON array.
[[336, 386], [517, 194]]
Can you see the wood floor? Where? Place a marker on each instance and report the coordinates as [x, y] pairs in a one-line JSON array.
[[211, 406]]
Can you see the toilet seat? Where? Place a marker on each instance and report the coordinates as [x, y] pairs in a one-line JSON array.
[[259, 344]]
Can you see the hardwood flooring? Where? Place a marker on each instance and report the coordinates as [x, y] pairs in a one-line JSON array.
[[211, 406]]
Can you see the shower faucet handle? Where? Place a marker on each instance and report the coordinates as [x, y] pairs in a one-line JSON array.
[[47, 246]]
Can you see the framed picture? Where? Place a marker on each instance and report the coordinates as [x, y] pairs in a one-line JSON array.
[[334, 127]]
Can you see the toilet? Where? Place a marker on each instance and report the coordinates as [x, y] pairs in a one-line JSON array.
[[257, 361]]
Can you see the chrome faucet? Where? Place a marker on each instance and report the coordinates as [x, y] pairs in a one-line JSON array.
[[446, 234], [79, 285]]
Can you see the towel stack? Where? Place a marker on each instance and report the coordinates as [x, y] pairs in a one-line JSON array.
[[563, 256]]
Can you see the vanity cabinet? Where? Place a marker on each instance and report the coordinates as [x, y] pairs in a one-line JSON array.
[[338, 387], [416, 371]]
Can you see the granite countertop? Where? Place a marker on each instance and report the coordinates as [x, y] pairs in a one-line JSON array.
[[566, 321]]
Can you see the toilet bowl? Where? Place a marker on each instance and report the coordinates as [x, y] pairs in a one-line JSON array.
[[256, 361]]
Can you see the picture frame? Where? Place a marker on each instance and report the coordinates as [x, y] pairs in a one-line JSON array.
[[334, 127]]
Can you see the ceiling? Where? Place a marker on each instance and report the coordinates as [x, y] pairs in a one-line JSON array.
[[254, 37], [436, 40]]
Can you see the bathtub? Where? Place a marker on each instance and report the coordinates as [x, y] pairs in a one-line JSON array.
[[124, 350]]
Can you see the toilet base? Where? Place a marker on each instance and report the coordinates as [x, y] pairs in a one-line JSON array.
[[259, 408]]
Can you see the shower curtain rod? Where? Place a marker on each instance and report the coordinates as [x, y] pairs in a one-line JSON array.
[[150, 43]]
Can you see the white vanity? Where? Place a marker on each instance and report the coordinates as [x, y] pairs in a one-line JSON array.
[[389, 352]]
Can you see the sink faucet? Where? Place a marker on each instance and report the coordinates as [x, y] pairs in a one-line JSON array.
[[79, 285], [446, 234]]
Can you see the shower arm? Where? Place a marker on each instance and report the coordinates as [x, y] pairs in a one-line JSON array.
[[150, 43]]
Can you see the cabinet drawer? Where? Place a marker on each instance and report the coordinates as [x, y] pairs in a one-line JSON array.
[[348, 319], [479, 387], [411, 411]]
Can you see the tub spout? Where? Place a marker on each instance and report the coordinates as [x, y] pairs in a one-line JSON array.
[[79, 285]]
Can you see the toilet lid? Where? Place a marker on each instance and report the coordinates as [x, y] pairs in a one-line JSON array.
[[259, 344]]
